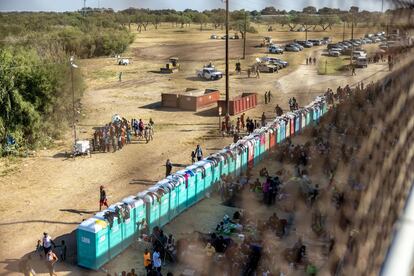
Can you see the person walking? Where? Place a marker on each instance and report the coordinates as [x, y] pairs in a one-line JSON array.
[[278, 110], [249, 72], [314, 60], [120, 76], [103, 201], [353, 71], [47, 243], [168, 168], [307, 61], [269, 96], [242, 121], [51, 259], [265, 96], [199, 153], [257, 73]]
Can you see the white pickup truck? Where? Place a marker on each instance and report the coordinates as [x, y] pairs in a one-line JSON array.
[[209, 73]]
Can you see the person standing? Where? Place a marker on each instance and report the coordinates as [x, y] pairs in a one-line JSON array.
[[156, 260], [242, 121], [314, 60], [120, 76], [265, 96], [103, 201], [51, 259], [47, 243], [278, 110], [353, 71], [263, 119], [147, 261], [168, 168], [199, 153], [307, 61]]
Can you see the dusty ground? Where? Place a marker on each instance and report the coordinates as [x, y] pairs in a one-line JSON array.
[[50, 193]]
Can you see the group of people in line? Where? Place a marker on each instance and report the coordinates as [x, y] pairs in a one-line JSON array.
[[118, 133]]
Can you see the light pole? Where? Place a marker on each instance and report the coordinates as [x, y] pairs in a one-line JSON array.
[[73, 66], [227, 64]]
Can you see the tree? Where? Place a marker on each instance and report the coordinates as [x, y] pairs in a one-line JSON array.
[[354, 9], [269, 11], [201, 19], [309, 9], [326, 21], [307, 21]]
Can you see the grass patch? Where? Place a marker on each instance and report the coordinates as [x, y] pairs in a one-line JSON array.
[[331, 65]]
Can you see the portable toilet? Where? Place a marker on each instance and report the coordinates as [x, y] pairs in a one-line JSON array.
[[238, 155], [215, 162], [298, 121], [179, 180], [163, 192], [172, 186], [257, 151], [191, 187], [92, 241], [199, 180], [127, 225], [278, 132], [152, 204], [244, 153], [138, 212], [309, 116], [291, 121], [114, 232], [229, 164], [272, 138], [303, 118], [250, 150], [207, 166]]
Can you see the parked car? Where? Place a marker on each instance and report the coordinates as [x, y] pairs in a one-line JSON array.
[[213, 36], [291, 48], [276, 61], [333, 53], [358, 54], [275, 49], [343, 45], [297, 45], [123, 61], [375, 39], [306, 44], [367, 41], [265, 67], [362, 62], [209, 73], [316, 42]]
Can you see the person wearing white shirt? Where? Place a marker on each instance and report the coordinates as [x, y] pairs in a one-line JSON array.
[[47, 243]]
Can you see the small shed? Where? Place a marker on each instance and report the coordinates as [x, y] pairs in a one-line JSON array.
[[239, 104], [191, 99]]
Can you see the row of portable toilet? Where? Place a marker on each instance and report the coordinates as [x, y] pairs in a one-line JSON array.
[[99, 241]]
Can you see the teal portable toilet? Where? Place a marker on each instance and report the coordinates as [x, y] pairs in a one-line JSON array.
[[138, 213], [127, 225], [198, 187], [173, 186], [208, 174], [229, 161], [256, 143], [278, 133], [191, 187], [234, 148], [179, 180], [309, 116], [224, 163], [92, 242], [282, 126], [245, 153], [152, 203], [215, 162], [114, 233], [163, 194]]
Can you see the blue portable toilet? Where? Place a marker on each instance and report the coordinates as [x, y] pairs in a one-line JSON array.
[[127, 225], [138, 213], [114, 233], [169, 186], [282, 126], [92, 241], [152, 203], [237, 154], [303, 118], [179, 180], [243, 144]]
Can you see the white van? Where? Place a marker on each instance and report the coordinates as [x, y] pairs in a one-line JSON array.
[[358, 54]]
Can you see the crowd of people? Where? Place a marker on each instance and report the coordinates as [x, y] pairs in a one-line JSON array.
[[120, 132], [310, 61]]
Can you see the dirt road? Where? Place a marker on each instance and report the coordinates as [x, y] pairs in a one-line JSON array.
[[50, 193]]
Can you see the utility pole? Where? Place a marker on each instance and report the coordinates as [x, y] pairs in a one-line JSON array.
[[382, 6], [245, 35], [306, 34], [352, 27], [84, 7], [343, 33], [227, 64], [72, 66]]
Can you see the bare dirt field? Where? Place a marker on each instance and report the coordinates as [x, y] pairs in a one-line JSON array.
[[50, 193]]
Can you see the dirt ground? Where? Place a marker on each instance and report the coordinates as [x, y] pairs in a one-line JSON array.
[[50, 193]]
